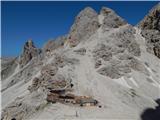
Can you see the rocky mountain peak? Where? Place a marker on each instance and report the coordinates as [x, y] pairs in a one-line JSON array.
[[152, 20], [108, 55], [105, 11], [87, 11], [29, 44], [111, 19], [150, 26], [86, 23], [29, 51]]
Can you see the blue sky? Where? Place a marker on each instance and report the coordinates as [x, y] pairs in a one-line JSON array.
[[42, 21]]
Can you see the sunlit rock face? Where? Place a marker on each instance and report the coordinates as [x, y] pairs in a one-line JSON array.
[[150, 26], [8, 66], [29, 52], [54, 44], [111, 19], [86, 23], [152, 20]]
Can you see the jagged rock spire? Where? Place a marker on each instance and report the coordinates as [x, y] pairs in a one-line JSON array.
[[105, 11], [29, 51], [150, 26], [86, 23], [111, 19], [152, 20]]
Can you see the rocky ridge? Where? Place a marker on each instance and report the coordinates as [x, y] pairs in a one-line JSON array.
[[102, 52], [85, 25], [150, 26]]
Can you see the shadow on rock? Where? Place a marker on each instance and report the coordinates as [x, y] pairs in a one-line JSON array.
[[152, 114]]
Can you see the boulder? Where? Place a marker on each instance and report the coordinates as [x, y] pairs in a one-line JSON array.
[[35, 84]]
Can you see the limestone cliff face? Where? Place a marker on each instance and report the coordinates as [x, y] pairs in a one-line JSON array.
[[152, 20], [8, 66], [86, 23], [150, 26], [54, 44], [29, 52], [111, 19]]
